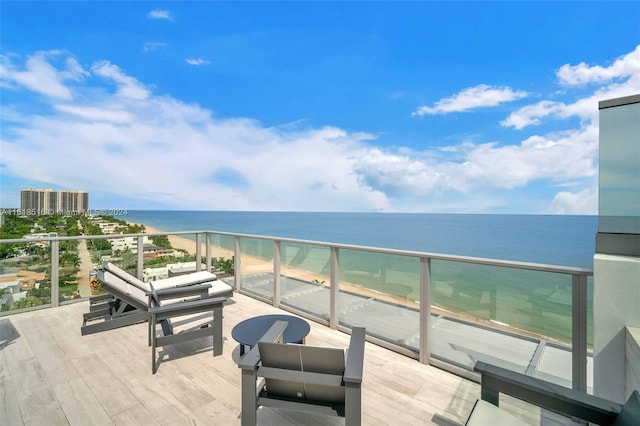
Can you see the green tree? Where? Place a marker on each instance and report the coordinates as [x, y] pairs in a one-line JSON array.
[[101, 245], [161, 241]]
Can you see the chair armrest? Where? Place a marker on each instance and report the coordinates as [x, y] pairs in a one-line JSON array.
[[188, 307], [273, 335], [544, 394], [157, 296], [355, 356]]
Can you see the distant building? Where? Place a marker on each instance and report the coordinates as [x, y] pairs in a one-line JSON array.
[[47, 201], [183, 268], [130, 243]]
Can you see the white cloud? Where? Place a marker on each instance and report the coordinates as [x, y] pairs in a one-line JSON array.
[[98, 114], [531, 114], [159, 14], [623, 77], [40, 76], [583, 202], [470, 167], [479, 96], [625, 66], [197, 61], [128, 87], [151, 46]]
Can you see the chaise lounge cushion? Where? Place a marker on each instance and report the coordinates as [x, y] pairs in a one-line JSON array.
[[218, 288], [199, 277]]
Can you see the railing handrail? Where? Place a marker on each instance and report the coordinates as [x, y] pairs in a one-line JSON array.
[[543, 267]]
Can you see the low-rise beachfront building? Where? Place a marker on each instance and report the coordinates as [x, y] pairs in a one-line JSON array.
[[152, 252], [109, 228], [38, 238], [130, 243], [182, 268], [152, 274], [10, 292]]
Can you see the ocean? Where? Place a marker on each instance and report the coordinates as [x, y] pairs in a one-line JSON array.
[[556, 240]]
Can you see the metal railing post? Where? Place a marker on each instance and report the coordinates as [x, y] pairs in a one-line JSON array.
[[140, 266], [334, 288], [276, 274], [425, 310], [579, 332], [55, 273], [236, 263], [208, 251], [198, 251]]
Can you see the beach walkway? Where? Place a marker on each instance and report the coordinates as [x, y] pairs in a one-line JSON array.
[[86, 265]]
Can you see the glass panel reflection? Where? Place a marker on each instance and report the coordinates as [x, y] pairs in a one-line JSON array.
[[503, 316], [619, 197], [305, 278], [256, 267], [381, 292]]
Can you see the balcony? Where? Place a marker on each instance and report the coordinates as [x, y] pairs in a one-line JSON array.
[[427, 316], [51, 374]]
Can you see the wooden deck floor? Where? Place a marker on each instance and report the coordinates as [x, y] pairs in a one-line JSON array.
[[50, 374]]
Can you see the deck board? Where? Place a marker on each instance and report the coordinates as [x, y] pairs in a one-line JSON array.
[[51, 374]]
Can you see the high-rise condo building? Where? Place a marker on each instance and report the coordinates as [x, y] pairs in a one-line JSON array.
[[48, 201]]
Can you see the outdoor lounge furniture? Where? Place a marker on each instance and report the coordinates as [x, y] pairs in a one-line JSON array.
[[130, 300], [313, 379], [199, 318], [126, 304], [127, 299], [218, 288], [569, 402]]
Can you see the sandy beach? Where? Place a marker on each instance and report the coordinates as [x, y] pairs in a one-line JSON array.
[[182, 243]]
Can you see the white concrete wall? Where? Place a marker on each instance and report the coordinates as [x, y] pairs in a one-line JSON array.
[[616, 304], [632, 364]]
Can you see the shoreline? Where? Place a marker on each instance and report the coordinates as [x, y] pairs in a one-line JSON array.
[[183, 243]]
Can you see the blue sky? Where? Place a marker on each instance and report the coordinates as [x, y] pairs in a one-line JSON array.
[[479, 107]]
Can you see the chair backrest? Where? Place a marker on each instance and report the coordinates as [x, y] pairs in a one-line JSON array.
[[303, 358], [630, 414], [121, 288], [125, 276]]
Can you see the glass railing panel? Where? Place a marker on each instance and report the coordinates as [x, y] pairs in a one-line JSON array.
[[498, 315], [69, 270], [222, 256], [381, 292], [25, 275], [305, 278], [256, 267], [118, 250], [165, 256]]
